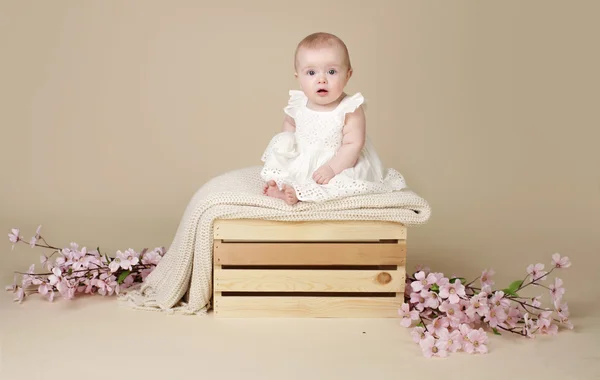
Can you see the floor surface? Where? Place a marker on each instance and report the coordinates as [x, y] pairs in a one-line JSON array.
[[99, 338]]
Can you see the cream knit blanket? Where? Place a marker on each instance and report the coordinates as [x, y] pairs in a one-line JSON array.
[[182, 281]]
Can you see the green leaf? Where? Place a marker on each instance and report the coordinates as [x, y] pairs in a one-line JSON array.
[[420, 324], [514, 286], [509, 292], [435, 288], [462, 280], [123, 276], [495, 330]]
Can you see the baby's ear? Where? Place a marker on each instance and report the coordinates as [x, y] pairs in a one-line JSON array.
[[349, 74], [295, 75]]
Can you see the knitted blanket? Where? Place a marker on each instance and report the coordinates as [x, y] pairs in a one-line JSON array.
[[182, 282]]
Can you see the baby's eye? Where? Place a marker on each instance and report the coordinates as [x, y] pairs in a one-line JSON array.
[[332, 71], [311, 72]]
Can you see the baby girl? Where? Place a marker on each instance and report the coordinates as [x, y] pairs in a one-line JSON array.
[[323, 152]]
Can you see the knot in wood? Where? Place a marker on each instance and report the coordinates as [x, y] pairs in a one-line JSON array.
[[384, 278]]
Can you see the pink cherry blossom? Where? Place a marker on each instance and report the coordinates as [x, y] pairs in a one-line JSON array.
[[106, 284], [552, 329], [146, 272], [556, 290], [14, 237], [438, 324], [453, 291], [36, 237], [453, 311], [544, 318], [419, 333], [479, 305], [529, 326], [432, 299], [65, 258], [417, 299], [562, 309], [13, 287], [560, 262], [536, 271], [427, 313], [43, 288], [433, 347], [129, 280], [486, 277], [78, 259], [477, 342], [498, 300], [452, 341], [55, 277], [115, 264], [20, 295], [152, 257], [441, 280], [406, 315], [128, 258], [422, 281], [65, 289], [496, 316], [513, 316]]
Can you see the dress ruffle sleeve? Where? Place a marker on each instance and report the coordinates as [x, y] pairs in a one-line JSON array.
[[296, 101], [351, 103]]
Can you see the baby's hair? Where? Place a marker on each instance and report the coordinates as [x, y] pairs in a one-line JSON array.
[[320, 39]]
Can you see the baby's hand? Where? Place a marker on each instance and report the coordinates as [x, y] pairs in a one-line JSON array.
[[323, 174]]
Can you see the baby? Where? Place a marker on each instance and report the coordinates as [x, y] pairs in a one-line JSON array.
[[323, 152]]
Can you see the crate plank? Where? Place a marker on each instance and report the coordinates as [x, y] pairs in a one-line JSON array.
[[309, 254], [267, 230], [314, 307], [294, 280]]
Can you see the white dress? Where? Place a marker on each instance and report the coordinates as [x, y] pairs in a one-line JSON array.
[[292, 158]]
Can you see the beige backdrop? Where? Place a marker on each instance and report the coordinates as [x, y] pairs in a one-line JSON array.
[[114, 113]]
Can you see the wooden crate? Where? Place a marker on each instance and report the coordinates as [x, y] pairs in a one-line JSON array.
[[308, 269]]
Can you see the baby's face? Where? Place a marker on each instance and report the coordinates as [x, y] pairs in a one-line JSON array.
[[322, 74]]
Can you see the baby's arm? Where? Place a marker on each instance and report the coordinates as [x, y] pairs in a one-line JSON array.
[[352, 143], [347, 156], [289, 125]]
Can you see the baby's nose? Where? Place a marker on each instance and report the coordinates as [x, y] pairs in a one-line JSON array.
[[322, 79]]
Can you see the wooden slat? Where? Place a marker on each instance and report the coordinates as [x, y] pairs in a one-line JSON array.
[[315, 307], [216, 293], [309, 254], [267, 230], [294, 280]]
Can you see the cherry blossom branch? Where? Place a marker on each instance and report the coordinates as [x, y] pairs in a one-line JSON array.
[[459, 315], [77, 270]]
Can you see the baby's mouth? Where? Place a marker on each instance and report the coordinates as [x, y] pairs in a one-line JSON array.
[[322, 92]]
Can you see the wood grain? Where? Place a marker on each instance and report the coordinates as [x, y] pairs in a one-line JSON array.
[[293, 280], [315, 307], [309, 254], [267, 230]]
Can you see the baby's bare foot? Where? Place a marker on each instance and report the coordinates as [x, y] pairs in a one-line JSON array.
[[290, 195], [268, 185], [273, 191]]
